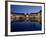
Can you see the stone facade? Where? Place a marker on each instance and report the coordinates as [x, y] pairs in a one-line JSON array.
[[31, 16]]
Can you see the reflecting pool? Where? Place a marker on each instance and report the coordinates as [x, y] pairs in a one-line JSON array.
[[17, 26]]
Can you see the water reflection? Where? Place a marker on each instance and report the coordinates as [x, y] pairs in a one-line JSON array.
[[25, 25]]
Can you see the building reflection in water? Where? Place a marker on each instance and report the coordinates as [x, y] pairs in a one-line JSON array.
[[33, 17], [26, 21]]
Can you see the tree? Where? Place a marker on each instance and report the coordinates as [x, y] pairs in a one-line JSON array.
[[40, 10]]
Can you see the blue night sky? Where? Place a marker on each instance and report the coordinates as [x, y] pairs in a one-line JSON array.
[[25, 9]]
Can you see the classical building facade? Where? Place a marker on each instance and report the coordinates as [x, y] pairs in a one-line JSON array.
[[32, 16]]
